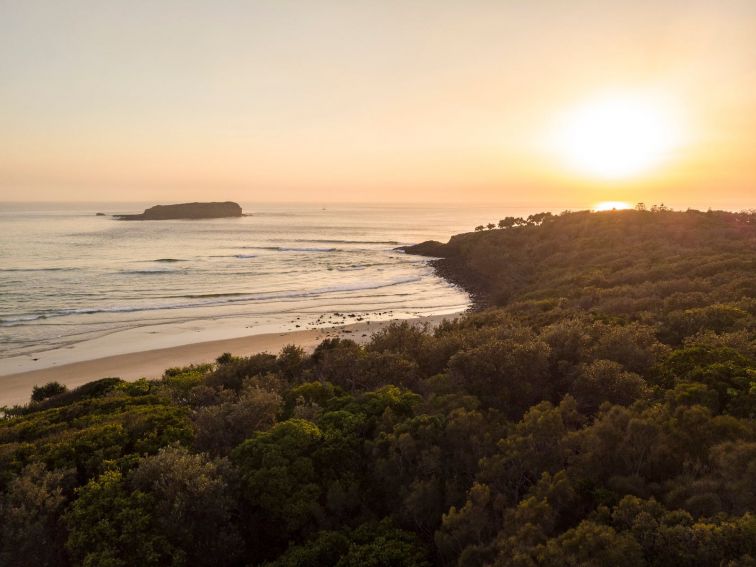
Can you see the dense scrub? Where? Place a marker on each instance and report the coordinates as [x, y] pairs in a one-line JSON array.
[[602, 414]]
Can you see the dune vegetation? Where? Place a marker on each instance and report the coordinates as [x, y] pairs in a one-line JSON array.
[[598, 411]]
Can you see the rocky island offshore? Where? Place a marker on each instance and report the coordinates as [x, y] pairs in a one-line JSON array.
[[187, 211]]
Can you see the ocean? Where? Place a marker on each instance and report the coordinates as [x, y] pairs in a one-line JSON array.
[[68, 276]]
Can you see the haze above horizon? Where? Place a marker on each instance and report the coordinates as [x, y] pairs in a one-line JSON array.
[[537, 102]]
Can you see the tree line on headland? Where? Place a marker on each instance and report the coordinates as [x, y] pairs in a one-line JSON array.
[[539, 218], [599, 411]]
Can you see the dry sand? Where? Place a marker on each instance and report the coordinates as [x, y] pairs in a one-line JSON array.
[[16, 388]]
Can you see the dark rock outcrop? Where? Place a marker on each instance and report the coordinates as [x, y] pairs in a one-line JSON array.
[[187, 211], [449, 263], [427, 248]]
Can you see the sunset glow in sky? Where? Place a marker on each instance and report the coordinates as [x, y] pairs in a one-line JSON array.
[[620, 136], [543, 102]]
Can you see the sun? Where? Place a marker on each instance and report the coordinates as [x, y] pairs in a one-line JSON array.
[[617, 136], [611, 206]]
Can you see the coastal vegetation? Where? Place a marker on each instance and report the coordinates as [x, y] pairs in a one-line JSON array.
[[596, 409]]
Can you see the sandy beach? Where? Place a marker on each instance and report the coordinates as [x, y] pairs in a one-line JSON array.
[[15, 388]]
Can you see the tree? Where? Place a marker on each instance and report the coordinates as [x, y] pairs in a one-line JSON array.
[[506, 374], [222, 426], [634, 346], [291, 363], [30, 530], [591, 545], [193, 505], [111, 526], [49, 390], [281, 483], [469, 529], [376, 545], [370, 545], [735, 468], [539, 218], [535, 446], [605, 381], [232, 373]]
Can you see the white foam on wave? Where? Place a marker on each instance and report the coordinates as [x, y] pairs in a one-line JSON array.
[[336, 241], [9, 321], [293, 248], [38, 269], [149, 272], [216, 299]]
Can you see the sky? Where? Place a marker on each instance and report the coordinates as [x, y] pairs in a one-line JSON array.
[[370, 101]]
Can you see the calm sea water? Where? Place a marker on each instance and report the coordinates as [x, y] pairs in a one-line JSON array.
[[67, 275]]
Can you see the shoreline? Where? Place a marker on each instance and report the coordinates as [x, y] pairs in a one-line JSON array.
[[16, 388], [455, 272], [450, 266]]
